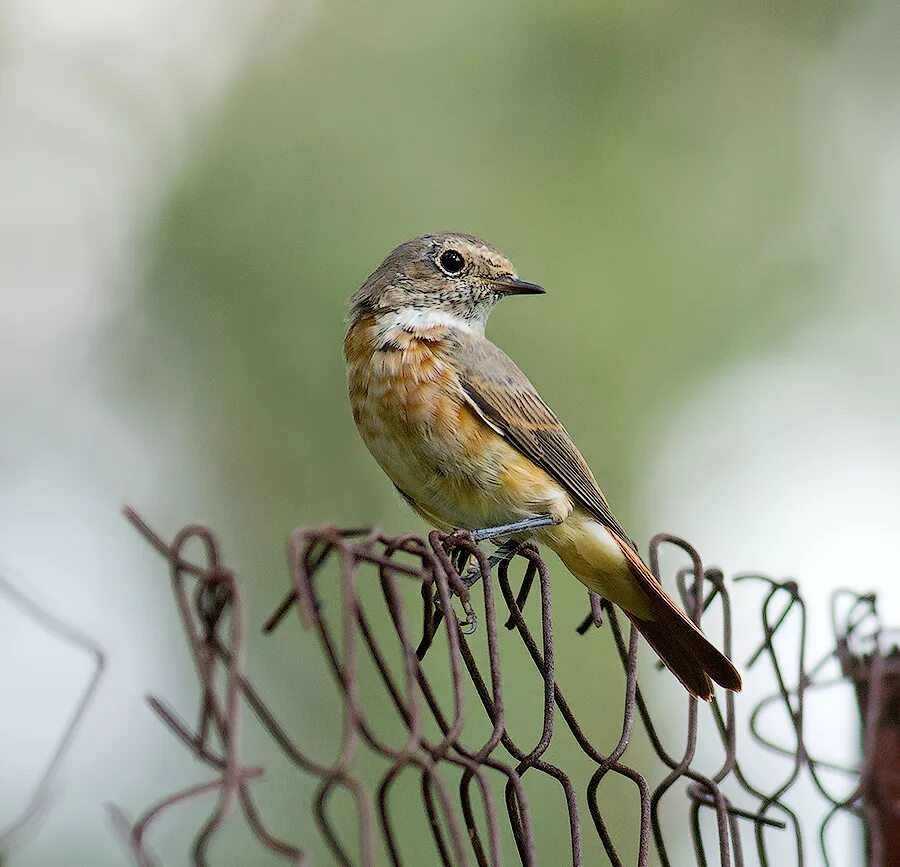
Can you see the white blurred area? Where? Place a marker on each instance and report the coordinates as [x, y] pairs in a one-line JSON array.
[[98, 102], [788, 464]]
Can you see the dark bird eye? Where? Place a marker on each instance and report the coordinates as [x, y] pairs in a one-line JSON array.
[[452, 261]]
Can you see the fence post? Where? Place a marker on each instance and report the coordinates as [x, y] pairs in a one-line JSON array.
[[876, 678]]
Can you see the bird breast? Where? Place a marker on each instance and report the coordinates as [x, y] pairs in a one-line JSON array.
[[413, 416]]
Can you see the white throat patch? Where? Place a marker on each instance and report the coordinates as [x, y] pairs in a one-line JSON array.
[[417, 319]]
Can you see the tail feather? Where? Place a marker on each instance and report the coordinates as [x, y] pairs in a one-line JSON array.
[[689, 656], [684, 649]]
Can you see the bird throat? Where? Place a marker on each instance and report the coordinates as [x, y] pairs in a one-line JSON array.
[[422, 323]]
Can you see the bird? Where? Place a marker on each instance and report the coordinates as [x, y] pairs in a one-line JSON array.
[[470, 444]]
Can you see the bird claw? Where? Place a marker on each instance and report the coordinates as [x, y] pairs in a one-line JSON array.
[[470, 625], [467, 625], [471, 576]]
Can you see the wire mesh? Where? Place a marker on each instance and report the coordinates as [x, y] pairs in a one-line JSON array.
[[467, 825]]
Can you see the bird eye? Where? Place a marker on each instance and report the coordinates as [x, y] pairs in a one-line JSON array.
[[452, 261]]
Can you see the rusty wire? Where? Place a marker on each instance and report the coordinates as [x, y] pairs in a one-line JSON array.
[[465, 825], [22, 826]]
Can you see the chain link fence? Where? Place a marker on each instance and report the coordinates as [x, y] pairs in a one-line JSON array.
[[412, 589]]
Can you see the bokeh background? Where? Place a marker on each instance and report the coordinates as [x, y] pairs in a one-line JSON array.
[[189, 193]]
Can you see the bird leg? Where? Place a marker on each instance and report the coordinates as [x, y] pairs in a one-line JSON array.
[[515, 527], [507, 548], [503, 553]]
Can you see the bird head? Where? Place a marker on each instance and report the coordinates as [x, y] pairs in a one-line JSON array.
[[449, 273]]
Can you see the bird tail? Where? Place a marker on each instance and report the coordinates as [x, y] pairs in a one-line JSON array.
[[605, 561], [684, 649]]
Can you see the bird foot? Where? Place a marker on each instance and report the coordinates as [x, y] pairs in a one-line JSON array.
[[503, 553]]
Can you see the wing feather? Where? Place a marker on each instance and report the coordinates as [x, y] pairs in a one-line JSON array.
[[507, 401]]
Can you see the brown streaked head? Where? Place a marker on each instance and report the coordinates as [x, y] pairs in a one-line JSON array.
[[446, 271]]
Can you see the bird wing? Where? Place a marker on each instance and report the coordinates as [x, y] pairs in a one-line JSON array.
[[506, 400]]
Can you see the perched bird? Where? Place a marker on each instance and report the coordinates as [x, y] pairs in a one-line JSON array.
[[469, 443]]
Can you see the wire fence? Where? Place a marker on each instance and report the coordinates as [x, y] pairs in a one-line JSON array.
[[469, 823]]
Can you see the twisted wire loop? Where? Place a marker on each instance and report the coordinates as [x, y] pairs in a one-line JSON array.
[[212, 617], [432, 732]]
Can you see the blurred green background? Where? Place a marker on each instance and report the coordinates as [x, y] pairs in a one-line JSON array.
[[700, 188]]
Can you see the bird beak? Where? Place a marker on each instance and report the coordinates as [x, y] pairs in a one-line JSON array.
[[515, 286]]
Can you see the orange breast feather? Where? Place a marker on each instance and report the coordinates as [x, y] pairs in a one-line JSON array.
[[413, 416]]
